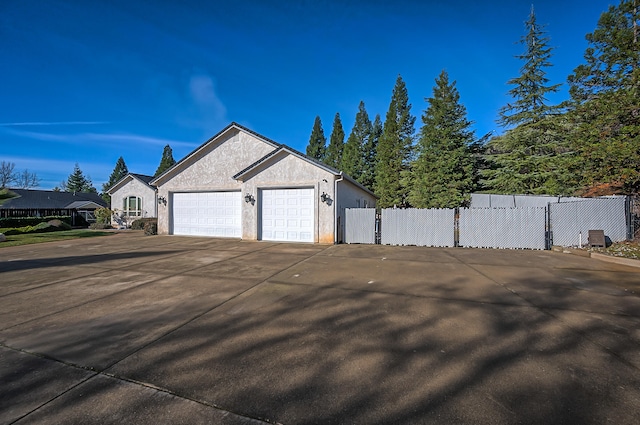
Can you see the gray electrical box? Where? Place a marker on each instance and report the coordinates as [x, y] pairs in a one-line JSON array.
[[596, 238]]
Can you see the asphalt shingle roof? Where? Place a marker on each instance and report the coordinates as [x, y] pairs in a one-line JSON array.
[[48, 199]]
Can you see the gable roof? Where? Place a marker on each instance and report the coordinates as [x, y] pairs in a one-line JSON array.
[[278, 148], [82, 204], [142, 177], [284, 148], [30, 199], [209, 142]]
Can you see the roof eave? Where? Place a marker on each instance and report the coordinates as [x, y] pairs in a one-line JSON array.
[[233, 125], [119, 184], [265, 160]]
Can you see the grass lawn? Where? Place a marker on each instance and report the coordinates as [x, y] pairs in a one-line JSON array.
[[30, 238]]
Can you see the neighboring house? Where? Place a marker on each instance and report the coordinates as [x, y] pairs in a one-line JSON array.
[[43, 203], [243, 185], [132, 198]]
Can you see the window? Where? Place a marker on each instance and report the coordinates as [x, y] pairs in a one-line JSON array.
[[132, 206]]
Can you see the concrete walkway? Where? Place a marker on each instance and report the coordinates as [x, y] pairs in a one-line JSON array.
[[147, 330]]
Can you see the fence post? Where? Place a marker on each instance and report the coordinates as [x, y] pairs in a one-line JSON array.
[[629, 214], [456, 227], [548, 234]]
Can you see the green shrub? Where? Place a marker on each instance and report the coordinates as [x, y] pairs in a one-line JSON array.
[[140, 223], [151, 228], [50, 226], [42, 227], [103, 216], [13, 222], [6, 194], [12, 231]]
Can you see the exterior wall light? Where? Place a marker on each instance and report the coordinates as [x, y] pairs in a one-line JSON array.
[[325, 198], [248, 198], [162, 200]]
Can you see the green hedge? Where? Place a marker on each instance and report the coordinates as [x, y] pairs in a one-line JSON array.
[[14, 222], [54, 225]]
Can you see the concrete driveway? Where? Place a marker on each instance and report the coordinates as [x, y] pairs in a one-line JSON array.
[[134, 329]]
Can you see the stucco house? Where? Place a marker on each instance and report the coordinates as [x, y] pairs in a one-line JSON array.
[[133, 197], [241, 184]]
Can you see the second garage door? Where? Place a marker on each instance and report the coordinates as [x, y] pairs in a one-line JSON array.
[[287, 215], [207, 214]]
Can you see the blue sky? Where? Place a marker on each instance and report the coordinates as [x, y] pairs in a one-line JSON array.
[[89, 81]]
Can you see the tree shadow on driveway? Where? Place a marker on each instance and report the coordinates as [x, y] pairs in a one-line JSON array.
[[332, 350]]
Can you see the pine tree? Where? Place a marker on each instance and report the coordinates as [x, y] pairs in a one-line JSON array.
[[166, 162], [530, 87], [370, 155], [394, 149], [606, 102], [78, 183], [336, 144], [443, 174], [119, 172], [317, 142], [533, 156], [353, 155], [613, 56]]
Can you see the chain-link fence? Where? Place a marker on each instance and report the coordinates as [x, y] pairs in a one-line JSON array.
[[570, 222], [564, 222], [634, 217]]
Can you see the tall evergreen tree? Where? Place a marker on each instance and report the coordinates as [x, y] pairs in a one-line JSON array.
[[532, 157], [317, 147], [78, 183], [370, 155], [394, 149], [531, 86], [606, 102], [353, 155], [166, 161], [613, 56], [118, 173], [336, 144], [443, 174]]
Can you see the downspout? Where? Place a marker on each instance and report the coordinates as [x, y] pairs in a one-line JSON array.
[[335, 207]]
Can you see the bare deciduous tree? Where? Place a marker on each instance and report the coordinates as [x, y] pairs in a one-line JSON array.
[[27, 180], [7, 173]]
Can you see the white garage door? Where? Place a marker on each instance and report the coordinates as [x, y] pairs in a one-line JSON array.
[[207, 214], [287, 215]]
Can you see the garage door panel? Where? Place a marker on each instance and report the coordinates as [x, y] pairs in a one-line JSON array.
[[207, 214], [287, 215]]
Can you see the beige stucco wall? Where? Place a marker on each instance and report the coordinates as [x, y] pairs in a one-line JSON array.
[[211, 169], [135, 187], [288, 171]]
